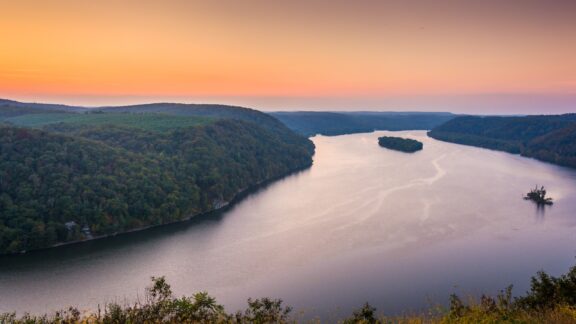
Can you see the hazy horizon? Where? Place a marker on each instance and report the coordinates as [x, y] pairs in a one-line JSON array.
[[487, 104]]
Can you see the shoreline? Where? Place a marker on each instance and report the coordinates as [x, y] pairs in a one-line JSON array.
[[238, 197]]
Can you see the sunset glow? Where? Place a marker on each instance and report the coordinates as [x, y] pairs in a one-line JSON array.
[[80, 51]]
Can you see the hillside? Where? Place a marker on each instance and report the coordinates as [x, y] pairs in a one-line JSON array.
[[70, 176], [339, 123], [547, 138], [152, 121], [202, 110]]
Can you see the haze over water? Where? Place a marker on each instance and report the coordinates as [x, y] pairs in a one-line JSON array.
[[363, 224]]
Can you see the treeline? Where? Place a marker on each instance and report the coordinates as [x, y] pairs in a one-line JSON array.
[[550, 300], [75, 181], [400, 144], [547, 138], [310, 123]]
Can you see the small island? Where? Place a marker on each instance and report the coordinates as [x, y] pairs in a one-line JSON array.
[[538, 195], [400, 144]]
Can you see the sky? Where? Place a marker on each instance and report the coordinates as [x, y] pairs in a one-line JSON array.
[[484, 56]]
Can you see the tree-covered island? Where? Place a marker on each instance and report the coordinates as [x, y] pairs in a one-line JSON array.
[[400, 144], [538, 195]]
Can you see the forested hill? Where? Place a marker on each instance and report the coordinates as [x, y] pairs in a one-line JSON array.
[[547, 138], [310, 123], [203, 110], [68, 176]]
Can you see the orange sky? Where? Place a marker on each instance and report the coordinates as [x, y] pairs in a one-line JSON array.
[[80, 51]]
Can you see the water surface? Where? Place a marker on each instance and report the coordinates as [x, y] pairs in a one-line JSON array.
[[363, 224]]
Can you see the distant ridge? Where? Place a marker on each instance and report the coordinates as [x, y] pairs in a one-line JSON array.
[[310, 123], [43, 106], [550, 138]]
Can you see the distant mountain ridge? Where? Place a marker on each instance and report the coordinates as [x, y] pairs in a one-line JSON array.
[[14, 108], [4, 103], [307, 123], [310, 123]]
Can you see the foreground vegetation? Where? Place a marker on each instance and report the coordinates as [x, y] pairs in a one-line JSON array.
[[547, 138], [550, 300], [77, 176], [400, 144]]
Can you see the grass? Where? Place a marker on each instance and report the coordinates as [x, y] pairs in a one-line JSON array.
[[147, 121]]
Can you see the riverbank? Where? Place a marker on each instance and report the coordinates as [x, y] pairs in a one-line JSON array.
[[547, 138], [218, 207]]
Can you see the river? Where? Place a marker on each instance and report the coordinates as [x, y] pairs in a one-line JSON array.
[[401, 231]]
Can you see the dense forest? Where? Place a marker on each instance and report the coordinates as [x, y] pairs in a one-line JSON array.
[[339, 123], [400, 144], [547, 138], [91, 174]]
